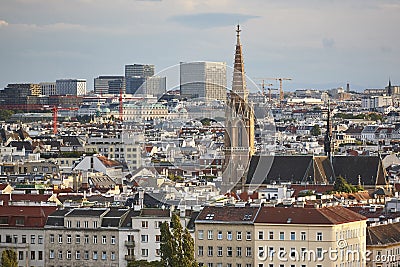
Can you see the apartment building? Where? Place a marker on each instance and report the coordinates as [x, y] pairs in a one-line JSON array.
[[383, 245], [279, 237], [22, 229]]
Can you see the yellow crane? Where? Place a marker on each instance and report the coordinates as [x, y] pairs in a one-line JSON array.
[[280, 85]]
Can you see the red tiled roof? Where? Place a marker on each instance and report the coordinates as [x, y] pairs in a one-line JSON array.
[[326, 215], [24, 197], [33, 216], [3, 186], [108, 162]]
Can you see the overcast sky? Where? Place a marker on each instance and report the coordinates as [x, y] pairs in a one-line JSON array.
[[319, 43]]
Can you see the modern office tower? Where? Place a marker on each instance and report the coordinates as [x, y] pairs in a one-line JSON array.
[[71, 87], [20, 94], [140, 79], [109, 85], [135, 76], [139, 70], [203, 79], [48, 88], [154, 85]]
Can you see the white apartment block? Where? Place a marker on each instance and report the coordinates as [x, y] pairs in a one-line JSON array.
[[71, 87]]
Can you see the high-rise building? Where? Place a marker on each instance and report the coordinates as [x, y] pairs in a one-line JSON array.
[[109, 85], [48, 88], [22, 94], [71, 87], [203, 79], [239, 127], [139, 70], [140, 79]]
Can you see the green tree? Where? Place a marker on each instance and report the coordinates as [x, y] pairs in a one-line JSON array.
[[315, 131], [177, 246], [188, 250], [143, 263], [341, 185], [9, 258], [5, 114]]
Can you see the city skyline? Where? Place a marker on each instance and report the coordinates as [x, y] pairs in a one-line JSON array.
[[320, 45]]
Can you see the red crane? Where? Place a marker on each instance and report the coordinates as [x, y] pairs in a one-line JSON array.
[[55, 110]]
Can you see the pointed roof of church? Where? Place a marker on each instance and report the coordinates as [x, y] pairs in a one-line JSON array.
[[239, 77]]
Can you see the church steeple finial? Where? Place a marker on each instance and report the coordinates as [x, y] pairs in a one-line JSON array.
[[239, 76], [238, 30]]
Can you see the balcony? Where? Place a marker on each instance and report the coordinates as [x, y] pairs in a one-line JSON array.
[[129, 257], [130, 244]]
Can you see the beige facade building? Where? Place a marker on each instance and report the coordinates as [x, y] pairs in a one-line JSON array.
[[278, 237]]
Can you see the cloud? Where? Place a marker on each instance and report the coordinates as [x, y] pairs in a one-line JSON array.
[[211, 20], [328, 42], [3, 23]]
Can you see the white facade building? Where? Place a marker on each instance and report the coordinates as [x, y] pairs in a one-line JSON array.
[[48, 88], [71, 87]]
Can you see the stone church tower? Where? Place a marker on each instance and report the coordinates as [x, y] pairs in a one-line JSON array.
[[239, 127]]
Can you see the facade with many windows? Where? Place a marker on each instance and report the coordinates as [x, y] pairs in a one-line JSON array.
[[279, 237]]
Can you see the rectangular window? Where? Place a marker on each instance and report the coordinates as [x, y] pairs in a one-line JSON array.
[[78, 255], [303, 236], [95, 239], [145, 224], [68, 254], [219, 236], [60, 239], [200, 234], [210, 251], [104, 239], [103, 255], [261, 252], [260, 235], [238, 235], [95, 255], [210, 234], [86, 224], [238, 251], [40, 255], [78, 224], [51, 238], [281, 235], [86, 239], [200, 251], [229, 235], [229, 252], [86, 255], [219, 252], [24, 239], [32, 255], [32, 239], [69, 238], [60, 254], [51, 254], [40, 239], [113, 239], [319, 236], [158, 238], [68, 224], [94, 224], [78, 239], [319, 253], [112, 255], [292, 236], [271, 235], [145, 238], [248, 235], [248, 252], [145, 252]]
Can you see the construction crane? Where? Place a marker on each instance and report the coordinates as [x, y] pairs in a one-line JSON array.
[[281, 94], [55, 110], [269, 89]]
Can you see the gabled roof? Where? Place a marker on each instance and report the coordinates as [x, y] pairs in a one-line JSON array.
[[293, 215], [21, 144], [233, 215], [383, 235], [114, 217], [86, 212]]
